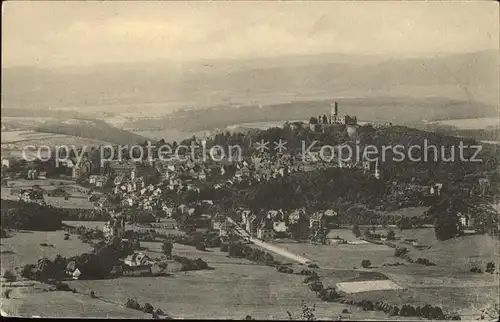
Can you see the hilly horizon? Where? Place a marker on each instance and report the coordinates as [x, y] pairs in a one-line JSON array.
[[161, 88]]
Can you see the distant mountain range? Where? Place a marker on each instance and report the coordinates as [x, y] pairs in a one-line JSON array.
[[165, 86], [400, 110]]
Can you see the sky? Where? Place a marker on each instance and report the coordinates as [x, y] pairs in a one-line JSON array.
[[82, 33]]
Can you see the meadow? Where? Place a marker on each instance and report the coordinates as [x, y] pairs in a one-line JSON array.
[[23, 247], [78, 197], [474, 123], [340, 256], [232, 289], [164, 227]]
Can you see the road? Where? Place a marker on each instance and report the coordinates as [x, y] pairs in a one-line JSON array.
[[272, 248]]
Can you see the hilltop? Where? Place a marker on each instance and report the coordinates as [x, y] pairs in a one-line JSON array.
[[92, 129]]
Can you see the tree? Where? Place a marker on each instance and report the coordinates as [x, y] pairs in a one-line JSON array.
[[391, 235], [6, 293], [446, 226], [9, 277], [132, 304], [148, 308], [200, 246], [365, 263], [404, 223], [166, 248], [367, 233], [490, 267], [355, 231]]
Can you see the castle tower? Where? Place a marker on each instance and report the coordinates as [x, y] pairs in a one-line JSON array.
[[334, 112]]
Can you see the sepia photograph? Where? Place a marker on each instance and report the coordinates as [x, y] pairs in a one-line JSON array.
[[250, 160]]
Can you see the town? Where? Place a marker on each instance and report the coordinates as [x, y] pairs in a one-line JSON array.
[[238, 207], [275, 160]]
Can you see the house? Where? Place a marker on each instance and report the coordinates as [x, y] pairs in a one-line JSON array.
[[202, 175], [217, 222], [73, 271], [137, 259], [31, 195], [99, 180], [252, 225], [81, 169], [122, 167], [265, 231], [32, 174], [484, 185], [8, 162], [226, 228], [115, 227], [140, 270], [435, 189], [465, 220], [117, 270], [42, 175], [280, 227], [245, 215], [372, 168], [148, 175], [76, 274], [317, 220]]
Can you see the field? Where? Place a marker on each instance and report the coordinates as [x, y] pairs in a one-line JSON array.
[[340, 256], [233, 289], [78, 197], [31, 302], [164, 227], [475, 123], [24, 247], [13, 142], [367, 286], [449, 284]]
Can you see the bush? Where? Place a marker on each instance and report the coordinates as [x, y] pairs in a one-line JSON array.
[[166, 248], [224, 247], [200, 246], [356, 231], [92, 295], [148, 308], [9, 276], [425, 261], [490, 268], [64, 287], [132, 304], [400, 251], [365, 263], [6, 293], [391, 235]]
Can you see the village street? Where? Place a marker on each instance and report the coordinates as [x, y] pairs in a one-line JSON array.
[[272, 248]]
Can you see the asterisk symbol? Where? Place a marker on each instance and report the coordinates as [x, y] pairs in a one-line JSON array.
[[261, 146], [280, 146]]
